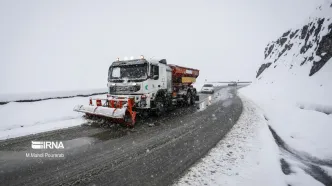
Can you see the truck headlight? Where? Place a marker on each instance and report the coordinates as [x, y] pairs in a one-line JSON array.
[[110, 84]]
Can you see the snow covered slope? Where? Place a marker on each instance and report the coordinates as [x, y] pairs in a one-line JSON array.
[[20, 119], [294, 89], [30, 97], [298, 65]]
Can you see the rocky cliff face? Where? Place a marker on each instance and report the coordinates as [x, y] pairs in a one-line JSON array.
[[310, 45]]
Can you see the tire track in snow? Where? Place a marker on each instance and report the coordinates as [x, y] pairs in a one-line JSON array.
[[312, 164]]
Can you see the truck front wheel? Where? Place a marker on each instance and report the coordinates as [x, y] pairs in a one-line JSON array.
[[160, 107]]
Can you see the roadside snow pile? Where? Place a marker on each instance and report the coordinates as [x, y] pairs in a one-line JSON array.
[[19, 119], [249, 155], [246, 156], [4, 98], [294, 90]]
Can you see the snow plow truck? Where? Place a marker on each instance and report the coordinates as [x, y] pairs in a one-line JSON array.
[[141, 86]]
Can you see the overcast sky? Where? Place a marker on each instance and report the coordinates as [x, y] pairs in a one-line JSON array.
[[69, 44]]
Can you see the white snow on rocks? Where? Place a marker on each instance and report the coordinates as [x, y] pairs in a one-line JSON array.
[[298, 106], [287, 78]]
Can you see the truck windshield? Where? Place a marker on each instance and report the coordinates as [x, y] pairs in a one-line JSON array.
[[129, 71], [208, 85]]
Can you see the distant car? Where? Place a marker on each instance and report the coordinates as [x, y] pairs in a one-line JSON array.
[[208, 88]]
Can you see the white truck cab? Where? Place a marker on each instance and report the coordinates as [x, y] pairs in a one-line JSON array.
[[141, 79]]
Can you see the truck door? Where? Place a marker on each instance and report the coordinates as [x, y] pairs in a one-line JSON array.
[[162, 75], [154, 72]]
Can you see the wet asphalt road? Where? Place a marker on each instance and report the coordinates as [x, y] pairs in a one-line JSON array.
[[113, 155]]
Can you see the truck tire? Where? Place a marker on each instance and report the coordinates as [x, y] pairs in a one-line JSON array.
[[193, 98], [144, 114], [160, 106], [188, 98], [128, 122]]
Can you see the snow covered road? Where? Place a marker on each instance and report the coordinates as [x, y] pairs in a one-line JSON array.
[[96, 155]]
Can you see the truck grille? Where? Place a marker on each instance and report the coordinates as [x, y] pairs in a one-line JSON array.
[[131, 88]]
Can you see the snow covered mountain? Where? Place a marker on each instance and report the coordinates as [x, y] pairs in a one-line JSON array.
[[298, 65], [293, 88]]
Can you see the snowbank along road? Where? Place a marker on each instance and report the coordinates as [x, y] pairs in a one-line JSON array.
[[156, 152]]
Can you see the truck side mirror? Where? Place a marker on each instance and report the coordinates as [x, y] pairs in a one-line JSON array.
[[155, 77]]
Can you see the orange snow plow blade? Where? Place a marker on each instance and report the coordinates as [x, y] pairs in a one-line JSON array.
[[117, 110]]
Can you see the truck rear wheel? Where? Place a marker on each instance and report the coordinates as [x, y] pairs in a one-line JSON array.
[[188, 100], [193, 98]]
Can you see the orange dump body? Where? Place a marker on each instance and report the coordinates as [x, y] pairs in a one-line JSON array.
[[183, 75], [178, 71]]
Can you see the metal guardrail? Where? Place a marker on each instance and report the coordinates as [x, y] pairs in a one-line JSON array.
[[230, 82]]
